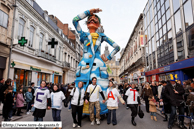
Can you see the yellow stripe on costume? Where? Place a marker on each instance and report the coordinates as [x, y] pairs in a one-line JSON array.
[[88, 44]]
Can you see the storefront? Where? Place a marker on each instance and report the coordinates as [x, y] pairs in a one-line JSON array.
[[182, 70], [57, 78]]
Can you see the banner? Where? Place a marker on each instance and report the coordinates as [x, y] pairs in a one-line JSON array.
[[142, 40]]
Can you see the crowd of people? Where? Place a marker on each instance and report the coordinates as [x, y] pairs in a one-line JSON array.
[[169, 95]]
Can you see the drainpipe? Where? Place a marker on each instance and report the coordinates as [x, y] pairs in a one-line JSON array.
[[12, 37]]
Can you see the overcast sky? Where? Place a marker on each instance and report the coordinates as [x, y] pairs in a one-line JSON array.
[[118, 17]]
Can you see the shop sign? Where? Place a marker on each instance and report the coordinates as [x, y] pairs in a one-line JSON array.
[[164, 69], [35, 69], [56, 72]]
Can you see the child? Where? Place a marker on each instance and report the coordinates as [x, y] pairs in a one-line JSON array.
[[152, 108], [57, 97], [189, 99], [29, 98], [112, 103], [19, 101], [8, 103]]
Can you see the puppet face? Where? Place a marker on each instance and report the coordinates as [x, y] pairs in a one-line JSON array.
[[93, 23]]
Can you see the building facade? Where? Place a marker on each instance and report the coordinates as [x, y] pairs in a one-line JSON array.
[[36, 60], [132, 60], [168, 25], [113, 65], [6, 21]]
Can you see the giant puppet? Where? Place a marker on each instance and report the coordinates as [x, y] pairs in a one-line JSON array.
[[92, 63]]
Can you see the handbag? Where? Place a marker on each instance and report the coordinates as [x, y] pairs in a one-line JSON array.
[[86, 106], [140, 113]]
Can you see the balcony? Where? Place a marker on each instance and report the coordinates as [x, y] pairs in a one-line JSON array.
[[66, 64], [46, 55]]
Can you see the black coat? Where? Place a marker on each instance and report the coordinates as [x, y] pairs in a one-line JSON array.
[[154, 90], [174, 99], [1, 91]]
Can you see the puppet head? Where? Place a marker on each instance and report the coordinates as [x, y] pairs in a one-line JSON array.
[[93, 22]]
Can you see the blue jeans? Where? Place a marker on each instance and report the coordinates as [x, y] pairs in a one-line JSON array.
[[56, 114], [28, 106], [173, 113], [38, 118], [69, 104], [114, 119], [152, 113]]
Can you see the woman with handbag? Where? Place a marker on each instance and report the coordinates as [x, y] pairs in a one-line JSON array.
[[77, 100], [146, 93], [133, 100]]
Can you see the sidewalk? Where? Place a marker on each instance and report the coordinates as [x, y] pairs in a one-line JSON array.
[[14, 118]]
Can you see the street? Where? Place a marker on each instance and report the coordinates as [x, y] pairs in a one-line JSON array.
[[123, 120]]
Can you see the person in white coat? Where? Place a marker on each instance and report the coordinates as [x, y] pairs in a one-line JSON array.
[[112, 103], [77, 96], [133, 100], [57, 97]]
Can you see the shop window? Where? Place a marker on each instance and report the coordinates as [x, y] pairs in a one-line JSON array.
[[22, 77]]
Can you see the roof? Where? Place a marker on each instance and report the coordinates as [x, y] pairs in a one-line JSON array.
[[41, 12]]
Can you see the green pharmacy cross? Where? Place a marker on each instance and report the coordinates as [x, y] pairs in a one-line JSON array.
[[53, 43], [22, 41], [13, 64]]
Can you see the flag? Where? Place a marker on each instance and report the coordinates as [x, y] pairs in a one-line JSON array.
[[109, 70]]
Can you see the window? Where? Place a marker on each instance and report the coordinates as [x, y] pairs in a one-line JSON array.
[[158, 44], [180, 53], [164, 29], [55, 51], [168, 14], [151, 14], [159, 14], [167, 4], [150, 47], [21, 28], [59, 52], [153, 45], [41, 41], [179, 44], [31, 36], [169, 26], [156, 36], [3, 19], [188, 14], [159, 23], [170, 35], [162, 9], [163, 19], [177, 19], [190, 37], [176, 5]]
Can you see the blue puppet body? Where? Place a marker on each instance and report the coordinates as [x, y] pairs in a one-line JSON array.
[[91, 58]]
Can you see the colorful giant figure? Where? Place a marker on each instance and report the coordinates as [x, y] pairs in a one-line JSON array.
[[92, 63]]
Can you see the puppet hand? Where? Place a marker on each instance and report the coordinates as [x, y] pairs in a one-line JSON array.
[[104, 58], [95, 11]]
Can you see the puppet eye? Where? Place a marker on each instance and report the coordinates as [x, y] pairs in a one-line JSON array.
[[94, 64], [87, 63]]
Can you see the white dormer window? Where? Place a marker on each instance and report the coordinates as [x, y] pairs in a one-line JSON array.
[[30, 2], [46, 16]]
